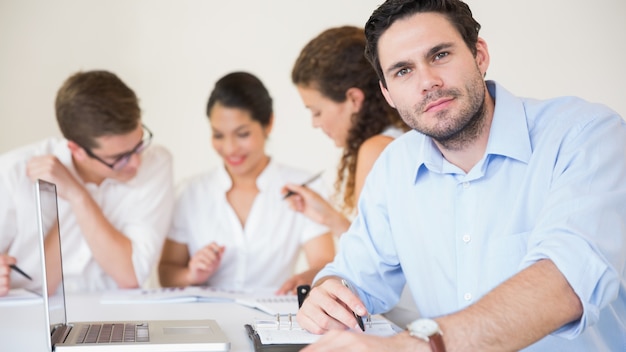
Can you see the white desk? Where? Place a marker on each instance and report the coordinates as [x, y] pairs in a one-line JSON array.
[[22, 327]]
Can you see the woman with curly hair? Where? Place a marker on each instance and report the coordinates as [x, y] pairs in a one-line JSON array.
[[340, 88]]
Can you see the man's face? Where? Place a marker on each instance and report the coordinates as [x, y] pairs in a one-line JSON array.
[[433, 79], [110, 148]]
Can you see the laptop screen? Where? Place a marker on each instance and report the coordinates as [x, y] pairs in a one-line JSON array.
[[48, 222]]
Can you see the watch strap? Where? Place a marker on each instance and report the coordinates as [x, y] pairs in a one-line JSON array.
[[436, 343]]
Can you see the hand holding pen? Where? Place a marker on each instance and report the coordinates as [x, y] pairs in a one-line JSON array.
[[331, 299], [310, 203], [359, 319], [7, 263], [304, 184]]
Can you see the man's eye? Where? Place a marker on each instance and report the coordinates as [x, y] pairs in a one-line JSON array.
[[441, 56], [243, 135], [403, 72]]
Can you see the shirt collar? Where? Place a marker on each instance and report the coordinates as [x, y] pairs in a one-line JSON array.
[[508, 135]]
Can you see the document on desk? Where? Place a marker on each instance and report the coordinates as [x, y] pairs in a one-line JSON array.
[[265, 301], [281, 334], [19, 296]]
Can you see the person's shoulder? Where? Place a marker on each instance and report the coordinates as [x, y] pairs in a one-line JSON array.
[[568, 112], [157, 154], [410, 143], [21, 154], [375, 144]]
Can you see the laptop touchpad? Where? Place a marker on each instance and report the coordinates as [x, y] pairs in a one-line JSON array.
[[187, 330]]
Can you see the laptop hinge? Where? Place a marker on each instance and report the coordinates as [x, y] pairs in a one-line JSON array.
[[59, 333]]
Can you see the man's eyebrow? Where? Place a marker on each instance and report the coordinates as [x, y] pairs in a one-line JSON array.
[[398, 65], [119, 155], [434, 50], [437, 48]]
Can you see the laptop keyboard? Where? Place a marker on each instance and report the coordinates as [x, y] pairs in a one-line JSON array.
[[114, 332]]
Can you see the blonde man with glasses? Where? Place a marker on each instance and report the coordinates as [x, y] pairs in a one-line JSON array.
[[115, 190]]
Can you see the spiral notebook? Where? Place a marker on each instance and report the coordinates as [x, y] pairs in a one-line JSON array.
[[284, 334]]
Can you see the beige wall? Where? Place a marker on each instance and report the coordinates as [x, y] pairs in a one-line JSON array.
[[171, 53]]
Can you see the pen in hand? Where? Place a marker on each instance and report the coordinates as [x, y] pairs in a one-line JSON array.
[[14, 267], [358, 318], [304, 184]]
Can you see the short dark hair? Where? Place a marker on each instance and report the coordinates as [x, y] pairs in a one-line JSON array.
[[244, 91], [456, 11], [93, 104]]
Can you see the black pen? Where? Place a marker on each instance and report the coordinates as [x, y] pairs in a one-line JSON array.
[[14, 267], [359, 319], [305, 183]]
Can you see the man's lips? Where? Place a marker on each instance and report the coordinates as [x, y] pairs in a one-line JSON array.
[[438, 104]]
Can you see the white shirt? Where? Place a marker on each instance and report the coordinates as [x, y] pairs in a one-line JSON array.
[[141, 209], [260, 255]]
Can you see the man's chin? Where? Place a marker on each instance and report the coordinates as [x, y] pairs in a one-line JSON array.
[[126, 176]]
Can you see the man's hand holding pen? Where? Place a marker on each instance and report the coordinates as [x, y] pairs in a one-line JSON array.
[[331, 305]]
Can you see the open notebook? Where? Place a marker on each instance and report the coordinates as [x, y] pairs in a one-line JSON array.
[[149, 335], [266, 302], [285, 334]]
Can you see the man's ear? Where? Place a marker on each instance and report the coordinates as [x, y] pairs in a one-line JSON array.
[[77, 151], [356, 97], [386, 94], [482, 56]]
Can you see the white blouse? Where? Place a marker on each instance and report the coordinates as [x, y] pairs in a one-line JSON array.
[[263, 253]]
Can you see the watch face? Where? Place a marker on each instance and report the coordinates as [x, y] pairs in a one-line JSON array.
[[423, 328]]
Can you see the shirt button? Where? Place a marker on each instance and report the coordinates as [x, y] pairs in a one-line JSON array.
[[467, 296], [466, 185], [467, 238]]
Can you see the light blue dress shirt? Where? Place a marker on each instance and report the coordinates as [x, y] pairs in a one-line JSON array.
[[552, 184]]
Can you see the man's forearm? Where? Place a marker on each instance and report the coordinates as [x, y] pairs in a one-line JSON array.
[[111, 249], [519, 312]]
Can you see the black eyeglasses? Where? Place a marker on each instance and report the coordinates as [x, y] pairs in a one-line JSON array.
[[123, 159]]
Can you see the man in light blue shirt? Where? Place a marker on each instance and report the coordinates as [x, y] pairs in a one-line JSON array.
[[505, 216]]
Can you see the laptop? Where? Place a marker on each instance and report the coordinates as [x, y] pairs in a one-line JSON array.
[[152, 335]]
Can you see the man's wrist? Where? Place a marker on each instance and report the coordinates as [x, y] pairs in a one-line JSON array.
[[428, 331], [405, 342]]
